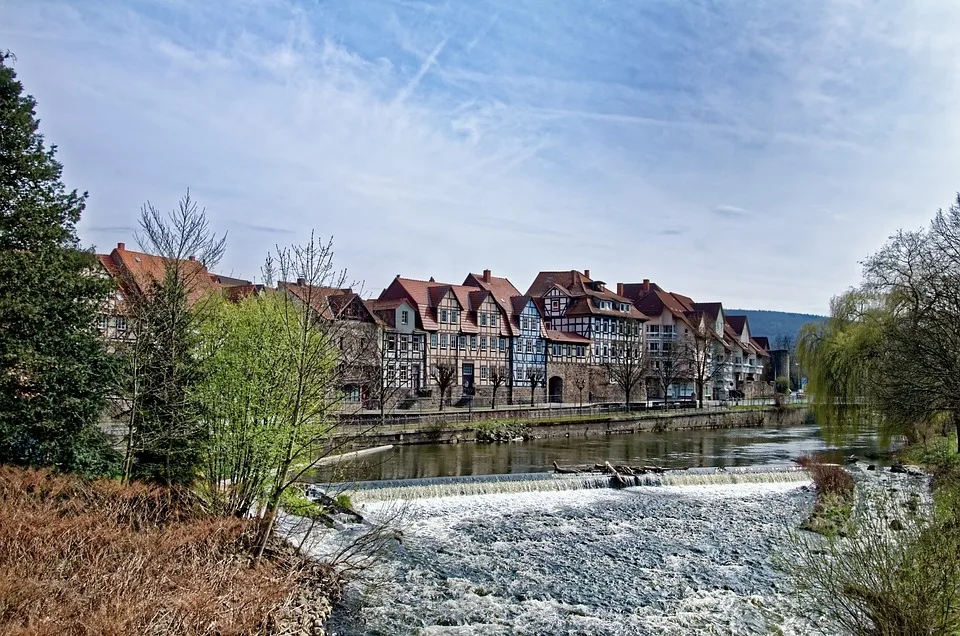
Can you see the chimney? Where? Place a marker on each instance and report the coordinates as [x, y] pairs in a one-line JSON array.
[[432, 280], [192, 258], [646, 284], [586, 273], [121, 246], [619, 289], [301, 282], [398, 275], [486, 275]]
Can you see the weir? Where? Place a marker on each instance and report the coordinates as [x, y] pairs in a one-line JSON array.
[[408, 489]]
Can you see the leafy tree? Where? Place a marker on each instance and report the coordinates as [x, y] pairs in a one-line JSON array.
[[890, 351], [54, 369]]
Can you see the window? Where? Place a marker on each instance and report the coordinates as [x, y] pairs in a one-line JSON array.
[[454, 316], [667, 347], [529, 346], [391, 342], [556, 350], [519, 345], [404, 317], [121, 323], [555, 304], [653, 329], [103, 321], [624, 307], [403, 375], [568, 351], [433, 341], [444, 315], [483, 320], [463, 342], [483, 373], [493, 320], [473, 342], [596, 350], [416, 343], [443, 341], [404, 343], [483, 343], [653, 346], [580, 351], [503, 344], [668, 330], [351, 394], [391, 374], [605, 351]]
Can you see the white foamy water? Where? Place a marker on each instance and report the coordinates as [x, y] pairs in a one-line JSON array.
[[670, 559]]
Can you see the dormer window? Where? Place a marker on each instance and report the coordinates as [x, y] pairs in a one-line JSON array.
[[606, 304], [624, 307], [444, 314]]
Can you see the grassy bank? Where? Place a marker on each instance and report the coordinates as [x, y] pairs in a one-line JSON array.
[[98, 557]]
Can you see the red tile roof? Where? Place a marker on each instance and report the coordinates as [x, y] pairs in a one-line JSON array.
[[137, 272], [425, 296], [587, 290]]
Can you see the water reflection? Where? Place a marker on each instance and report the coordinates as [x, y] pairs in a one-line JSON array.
[[720, 447]]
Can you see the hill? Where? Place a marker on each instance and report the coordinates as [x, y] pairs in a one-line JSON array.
[[774, 324]]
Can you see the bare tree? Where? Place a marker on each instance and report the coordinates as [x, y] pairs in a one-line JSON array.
[[499, 375], [670, 364], [535, 377], [628, 364], [709, 359], [444, 374]]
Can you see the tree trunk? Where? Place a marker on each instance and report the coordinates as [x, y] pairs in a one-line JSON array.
[[956, 426]]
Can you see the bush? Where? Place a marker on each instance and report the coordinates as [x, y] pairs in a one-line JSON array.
[[98, 557], [829, 479], [895, 572]]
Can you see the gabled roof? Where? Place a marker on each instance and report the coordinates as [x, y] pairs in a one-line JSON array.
[[328, 302], [711, 309], [737, 322], [425, 296], [586, 292], [385, 311], [137, 272]]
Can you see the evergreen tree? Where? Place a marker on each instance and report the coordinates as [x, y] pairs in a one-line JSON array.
[[54, 369]]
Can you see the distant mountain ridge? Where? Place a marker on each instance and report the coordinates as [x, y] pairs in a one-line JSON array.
[[774, 324]]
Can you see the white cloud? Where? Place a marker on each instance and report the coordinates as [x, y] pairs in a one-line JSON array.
[[441, 139]]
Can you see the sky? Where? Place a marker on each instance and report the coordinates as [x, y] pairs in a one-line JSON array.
[[748, 152]]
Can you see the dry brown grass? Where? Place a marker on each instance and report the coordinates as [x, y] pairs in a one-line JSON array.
[[830, 479], [98, 557]]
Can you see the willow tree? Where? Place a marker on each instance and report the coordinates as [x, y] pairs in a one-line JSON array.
[[890, 352]]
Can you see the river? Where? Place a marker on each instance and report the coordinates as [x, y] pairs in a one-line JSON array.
[[667, 559]]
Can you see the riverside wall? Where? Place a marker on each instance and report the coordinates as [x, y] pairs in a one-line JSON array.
[[458, 432]]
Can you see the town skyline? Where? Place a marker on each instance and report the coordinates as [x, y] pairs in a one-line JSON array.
[[691, 144]]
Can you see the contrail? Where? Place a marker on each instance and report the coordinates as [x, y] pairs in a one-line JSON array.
[[415, 80]]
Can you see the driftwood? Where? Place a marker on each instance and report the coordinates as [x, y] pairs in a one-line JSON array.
[[607, 468]]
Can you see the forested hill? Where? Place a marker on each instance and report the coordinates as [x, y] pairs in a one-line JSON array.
[[774, 324]]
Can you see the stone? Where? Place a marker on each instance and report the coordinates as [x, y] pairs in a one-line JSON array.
[[871, 467]]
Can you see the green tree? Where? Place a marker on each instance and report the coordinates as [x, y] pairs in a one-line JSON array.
[[890, 352], [243, 398], [54, 369]]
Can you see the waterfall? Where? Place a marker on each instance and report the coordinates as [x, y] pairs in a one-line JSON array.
[[407, 489]]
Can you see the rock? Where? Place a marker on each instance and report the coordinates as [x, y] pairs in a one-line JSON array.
[[896, 525], [853, 459], [871, 467], [913, 471], [898, 468]]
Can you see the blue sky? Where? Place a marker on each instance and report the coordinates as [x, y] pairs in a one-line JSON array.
[[748, 152]]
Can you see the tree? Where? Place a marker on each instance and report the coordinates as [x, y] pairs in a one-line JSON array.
[[709, 357], [444, 373], [54, 368], [166, 431], [891, 348], [535, 376], [629, 362], [499, 375], [306, 381], [671, 364]]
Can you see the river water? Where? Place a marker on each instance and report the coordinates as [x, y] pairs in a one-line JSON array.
[[716, 447], [697, 558]]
